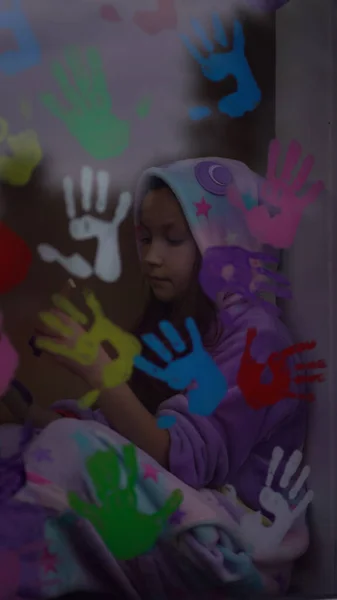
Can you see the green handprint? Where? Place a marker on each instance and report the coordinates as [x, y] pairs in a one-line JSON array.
[[125, 531], [90, 118], [85, 350]]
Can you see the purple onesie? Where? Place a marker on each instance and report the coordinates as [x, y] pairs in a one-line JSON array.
[[208, 545]]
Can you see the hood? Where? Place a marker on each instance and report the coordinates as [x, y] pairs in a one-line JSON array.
[[200, 187]]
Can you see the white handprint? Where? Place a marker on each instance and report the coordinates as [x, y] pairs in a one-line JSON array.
[[263, 539], [107, 265]]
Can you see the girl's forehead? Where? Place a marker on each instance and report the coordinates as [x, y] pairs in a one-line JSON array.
[[161, 207]]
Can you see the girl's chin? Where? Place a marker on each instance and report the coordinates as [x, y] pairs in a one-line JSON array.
[[163, 296]]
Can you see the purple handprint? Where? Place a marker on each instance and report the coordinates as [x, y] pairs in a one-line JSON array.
[[229, 270]]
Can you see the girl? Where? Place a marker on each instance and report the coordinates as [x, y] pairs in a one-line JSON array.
[[181, 211]]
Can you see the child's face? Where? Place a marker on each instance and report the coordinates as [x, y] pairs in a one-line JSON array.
[[168, 250]]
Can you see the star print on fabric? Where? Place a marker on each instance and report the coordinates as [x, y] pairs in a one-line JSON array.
[[202, 207], [49, 561], [177, 517], [43, 455], [150, 472]]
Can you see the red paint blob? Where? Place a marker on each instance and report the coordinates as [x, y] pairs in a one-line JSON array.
[[15, 259]]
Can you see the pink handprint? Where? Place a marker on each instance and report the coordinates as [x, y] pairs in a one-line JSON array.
[[279, 230], [155, 21]]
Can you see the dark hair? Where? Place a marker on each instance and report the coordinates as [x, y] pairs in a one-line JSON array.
[[195, 304]]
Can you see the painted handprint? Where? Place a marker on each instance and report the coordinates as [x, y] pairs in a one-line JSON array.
[[285, 511], [107, 264], [258, 394], [86, 347], [156, 21], [234, 270], [217, 66], [90, 119], [197, 371], [26, 154], [126, 532], [28, 53], [280, 193], [150, 21], [15, 259]]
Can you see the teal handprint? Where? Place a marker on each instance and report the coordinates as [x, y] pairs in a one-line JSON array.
[[125, 531], [89, 117]]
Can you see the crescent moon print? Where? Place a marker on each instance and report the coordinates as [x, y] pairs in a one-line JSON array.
[[211, 174]]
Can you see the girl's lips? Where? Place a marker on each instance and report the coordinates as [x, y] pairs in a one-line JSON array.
[[158, 279]]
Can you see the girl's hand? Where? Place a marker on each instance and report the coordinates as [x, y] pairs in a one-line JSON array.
[[67, 336]]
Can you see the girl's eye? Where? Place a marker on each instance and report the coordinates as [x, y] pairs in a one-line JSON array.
[[175, 242], [144, 240]]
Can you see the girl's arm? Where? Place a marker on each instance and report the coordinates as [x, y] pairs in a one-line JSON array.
[[127, 415]]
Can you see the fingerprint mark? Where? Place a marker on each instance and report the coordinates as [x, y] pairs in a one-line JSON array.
[[299, 483], [276, 458], [87, 179], [291, 468], [103, 180]]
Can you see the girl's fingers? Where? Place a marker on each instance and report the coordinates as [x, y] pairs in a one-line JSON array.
[[65, 291], [65, 321]]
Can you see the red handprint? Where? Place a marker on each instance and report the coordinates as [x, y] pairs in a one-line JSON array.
[[258, 394], [15, 261]]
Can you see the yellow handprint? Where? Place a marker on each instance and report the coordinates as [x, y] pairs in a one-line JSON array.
[[85, 350], [26, 155]]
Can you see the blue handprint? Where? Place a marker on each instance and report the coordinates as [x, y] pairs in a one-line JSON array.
[[218, 66], [198, 368], [28, 53]]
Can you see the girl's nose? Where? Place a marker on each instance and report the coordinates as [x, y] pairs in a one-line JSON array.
[[153, 255]]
